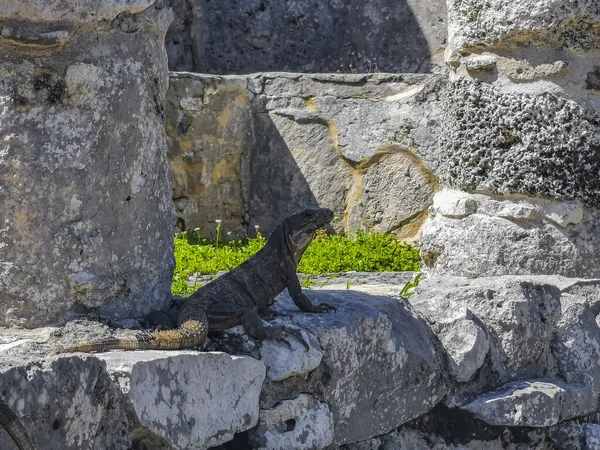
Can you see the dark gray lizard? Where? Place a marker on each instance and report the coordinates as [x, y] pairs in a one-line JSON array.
[[15, 429], [237, 297]]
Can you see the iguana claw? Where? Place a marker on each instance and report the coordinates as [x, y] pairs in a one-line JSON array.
[[325, 307]]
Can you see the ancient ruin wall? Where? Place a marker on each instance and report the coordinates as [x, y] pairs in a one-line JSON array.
[[84, 190]]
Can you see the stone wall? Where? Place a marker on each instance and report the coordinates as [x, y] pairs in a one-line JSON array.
[[523, 133], [84, 190], [241, 36], [250, 150], [506, 362]]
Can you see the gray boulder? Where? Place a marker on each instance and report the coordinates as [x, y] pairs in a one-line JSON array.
[[576, 346], [517, 313], [66, 403], [365, 334], [194, 400], [301, 423], [533, 403]]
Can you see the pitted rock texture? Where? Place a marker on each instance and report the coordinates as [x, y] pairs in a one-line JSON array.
[[249, 150], [541, 23], [301, 423], [194, 400], [533, 403], [84, 189], [533, 144], [483, 235], [66, 403], [238, 36]]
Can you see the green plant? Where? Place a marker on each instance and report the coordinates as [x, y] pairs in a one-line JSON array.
[[408, 290], [360, 251]]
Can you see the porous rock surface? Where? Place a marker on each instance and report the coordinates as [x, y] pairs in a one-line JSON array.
[[84, 194]]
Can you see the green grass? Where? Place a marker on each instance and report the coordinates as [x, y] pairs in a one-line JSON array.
[[362, 252]]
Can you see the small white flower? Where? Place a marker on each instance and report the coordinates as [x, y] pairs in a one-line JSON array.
[[229, 233], [197, 229], [256, 226], [218, 221]]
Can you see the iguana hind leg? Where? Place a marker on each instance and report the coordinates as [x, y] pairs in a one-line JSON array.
[[256, 328], [15, 429], [191, 332]]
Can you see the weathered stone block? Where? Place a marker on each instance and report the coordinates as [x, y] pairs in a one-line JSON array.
[[194, 400], [517, 313], [480, 235], [300, 423], [366, 333], [250, 150], [84, 190], [533, 403], [235, 36], [67, 403]]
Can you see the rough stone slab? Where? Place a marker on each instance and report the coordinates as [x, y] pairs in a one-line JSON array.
[[79, 11], [283, 362], [86, 214], [467, 345], [66, 403], [478, 235], [533, 403], [518, 313], [311, 36], [194, 400], [300, 423], [543, 23], [365, 334], [576, 346], [344, 141], [592, 436]]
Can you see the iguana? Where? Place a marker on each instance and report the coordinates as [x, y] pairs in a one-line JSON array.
[[237, 297], [15, 429]]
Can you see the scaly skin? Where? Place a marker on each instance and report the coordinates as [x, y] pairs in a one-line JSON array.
[[15, 429], [189, 334], [238, 296]]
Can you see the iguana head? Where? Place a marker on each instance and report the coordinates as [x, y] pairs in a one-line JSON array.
[[301, 226]]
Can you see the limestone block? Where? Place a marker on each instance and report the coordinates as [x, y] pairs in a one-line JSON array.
[[544, 23], [250, 150], [396, 189], [310, 37], [208, 125], [497, 235], [520, 143], [592, 436], [533, 403], [467, 345], [283, 362], [365, 334], [194, 400], [576, 346], [518, 314], [66, 403], [300, 423], [84, 190]]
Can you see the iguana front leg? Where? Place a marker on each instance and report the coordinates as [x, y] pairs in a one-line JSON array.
[[300, 298], [255, 327]]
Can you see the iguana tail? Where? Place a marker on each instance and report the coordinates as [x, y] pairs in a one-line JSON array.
[[189, 334], [15, 429]]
